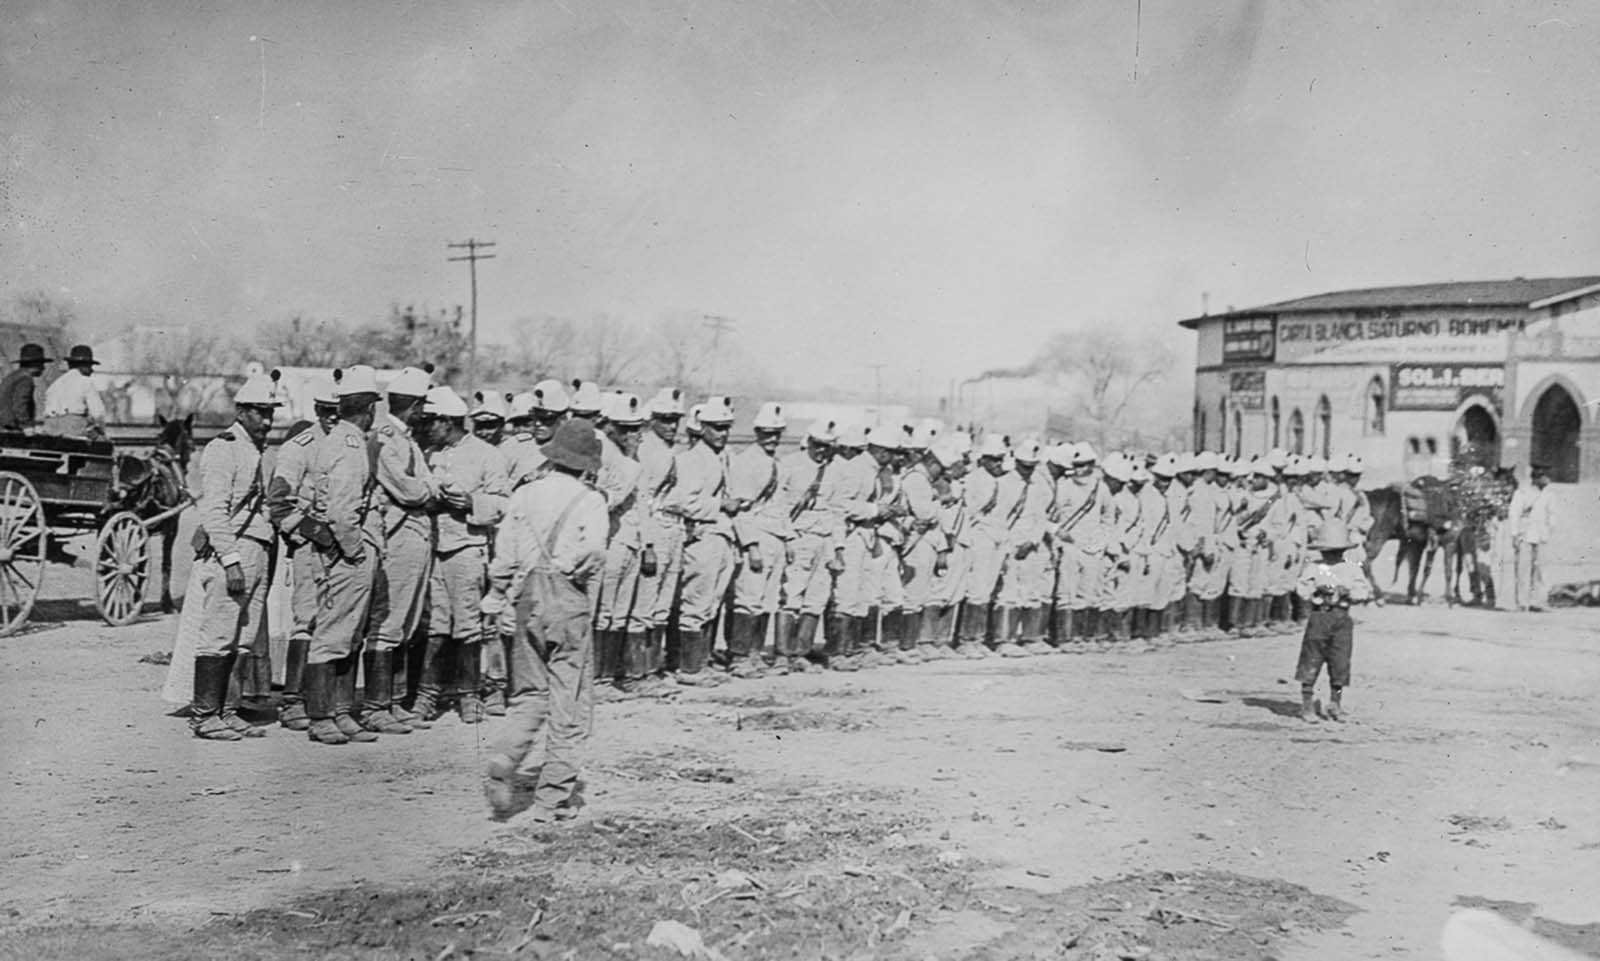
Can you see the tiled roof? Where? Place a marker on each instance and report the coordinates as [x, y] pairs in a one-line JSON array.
[[1518, 292]]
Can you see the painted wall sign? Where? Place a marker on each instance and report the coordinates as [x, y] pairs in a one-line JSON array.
[[1443, 386], [1248, 340], [1247, 389]]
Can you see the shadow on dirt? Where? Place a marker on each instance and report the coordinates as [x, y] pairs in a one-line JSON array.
[[1277, 705]]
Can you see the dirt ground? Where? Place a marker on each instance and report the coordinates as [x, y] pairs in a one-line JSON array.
[[1158, 805]]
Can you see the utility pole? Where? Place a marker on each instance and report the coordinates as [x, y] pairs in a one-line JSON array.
[[717, 325], [472, 256], [877, 380]]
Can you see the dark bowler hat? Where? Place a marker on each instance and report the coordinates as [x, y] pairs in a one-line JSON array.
[[32, 354], [575, 446], [81, 355]]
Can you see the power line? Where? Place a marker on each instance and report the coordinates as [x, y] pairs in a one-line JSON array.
[[472, 247], [717, 325]]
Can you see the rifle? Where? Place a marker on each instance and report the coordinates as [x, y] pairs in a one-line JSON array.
[[808, 498], [1063, 528]]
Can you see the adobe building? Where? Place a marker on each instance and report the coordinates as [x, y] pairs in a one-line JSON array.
[[1503, 372]]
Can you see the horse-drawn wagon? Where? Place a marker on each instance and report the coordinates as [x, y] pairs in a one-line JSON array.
[[55, 488]]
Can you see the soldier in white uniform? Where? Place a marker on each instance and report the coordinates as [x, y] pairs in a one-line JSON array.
[[533, 421], [473, 484], [619, 627], [925, 551], [289, 499], [234, 553], [403, 499], [763, 531], [661, 555], [807, 582], [993, 499], [700, 498], [1027, 571], [346, 548]]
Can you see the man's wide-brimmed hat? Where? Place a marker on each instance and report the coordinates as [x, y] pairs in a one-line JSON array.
[[1332, 536], [574, 447], [32, 354], [82, 354]]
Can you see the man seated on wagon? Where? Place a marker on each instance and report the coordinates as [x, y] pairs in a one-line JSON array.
[[18, 410], [72, 404]]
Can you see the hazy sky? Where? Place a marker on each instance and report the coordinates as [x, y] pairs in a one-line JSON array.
[[936, 185]]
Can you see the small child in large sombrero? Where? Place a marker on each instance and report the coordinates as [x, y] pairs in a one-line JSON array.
[[1329, 586]]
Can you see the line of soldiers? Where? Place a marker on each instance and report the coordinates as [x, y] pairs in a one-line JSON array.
[[865, 546]]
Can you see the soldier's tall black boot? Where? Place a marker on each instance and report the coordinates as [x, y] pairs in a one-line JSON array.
[[805, 637], [1193, 615], [743, 647], [210, 691], [971, 627], [378, 668], [635, 659], [834, 654], [1062, 628], [469, 682], [400, 673], [1003, 625], [344, 701], [910, 636], [430, 678], [869, 639], [786, 643], [319, 681], [1122, 626], [292, 708], [655, 642]]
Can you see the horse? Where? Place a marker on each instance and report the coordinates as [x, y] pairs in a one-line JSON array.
[[157, 484], [1422, 516]]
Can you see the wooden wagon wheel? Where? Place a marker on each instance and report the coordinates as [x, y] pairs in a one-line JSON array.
[[22, 545], [122, 568]]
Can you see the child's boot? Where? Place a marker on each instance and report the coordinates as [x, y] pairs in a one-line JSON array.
[[1335, 708], [1308, 709]]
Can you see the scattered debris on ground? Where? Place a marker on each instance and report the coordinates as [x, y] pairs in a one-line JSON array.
[[841, 880]]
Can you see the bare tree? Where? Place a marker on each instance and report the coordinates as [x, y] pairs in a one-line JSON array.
[[190, 369], [608, 350], [42, 317], [300, 341], [682, 348], [1107, 377], [1106, 370], [541, 348]]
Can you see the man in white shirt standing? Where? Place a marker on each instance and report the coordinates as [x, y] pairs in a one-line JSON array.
[[72, 404], [1531, 523]]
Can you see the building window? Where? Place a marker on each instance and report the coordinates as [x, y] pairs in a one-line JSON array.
[[1297, 432], [1222, 424], [1199, 426], [1238, 431], [1377, 403], [1324, 427], [1277, 425]]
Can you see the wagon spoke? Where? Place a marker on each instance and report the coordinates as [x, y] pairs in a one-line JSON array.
[[14, 571]]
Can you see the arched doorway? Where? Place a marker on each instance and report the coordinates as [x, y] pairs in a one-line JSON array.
[[1476, 439], [1556, 421]]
